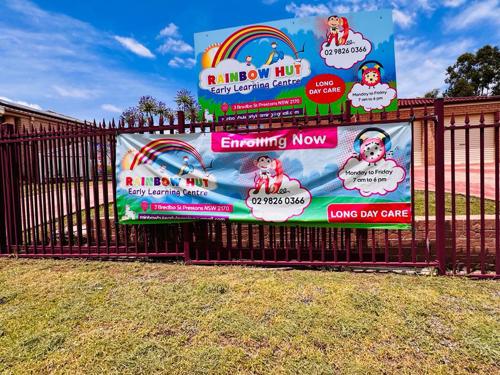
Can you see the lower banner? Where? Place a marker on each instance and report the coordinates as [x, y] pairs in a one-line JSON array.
[[347, 176]]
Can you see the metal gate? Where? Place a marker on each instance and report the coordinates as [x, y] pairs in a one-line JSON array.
[[58, 187]]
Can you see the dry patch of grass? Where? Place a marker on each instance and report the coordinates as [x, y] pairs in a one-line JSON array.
[[142, 318]]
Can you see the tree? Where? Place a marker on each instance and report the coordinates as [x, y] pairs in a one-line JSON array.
[[475, 73], [147, 107], [163, 110], [434, 93], [186, 102]]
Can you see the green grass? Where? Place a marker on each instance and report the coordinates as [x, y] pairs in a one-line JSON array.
[[460, 204], [88, 317]]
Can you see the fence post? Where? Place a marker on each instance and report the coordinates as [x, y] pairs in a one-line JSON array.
[[3, 221], [439, 170], [11, 192], [186, 227]]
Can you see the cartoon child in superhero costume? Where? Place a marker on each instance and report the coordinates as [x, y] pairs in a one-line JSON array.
[[338, 31], [265, 176]]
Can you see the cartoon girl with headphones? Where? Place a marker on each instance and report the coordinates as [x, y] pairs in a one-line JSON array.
[[370, 73], [372, 145]]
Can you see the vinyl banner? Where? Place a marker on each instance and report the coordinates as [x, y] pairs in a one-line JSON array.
[[282, 67], [348, 176]]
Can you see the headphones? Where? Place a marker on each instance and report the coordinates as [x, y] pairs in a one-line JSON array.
[[370, 64], [361, 137]]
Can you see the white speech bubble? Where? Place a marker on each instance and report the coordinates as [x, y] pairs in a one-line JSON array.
[[371, 97], [291, 200], [380, 178], [345, 56], [268, 80]]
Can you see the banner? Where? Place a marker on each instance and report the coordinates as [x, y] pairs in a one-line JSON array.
[[347, 176], [283, 67]]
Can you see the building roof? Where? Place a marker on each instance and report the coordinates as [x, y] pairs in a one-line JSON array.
[[30, 111], [420, 102]]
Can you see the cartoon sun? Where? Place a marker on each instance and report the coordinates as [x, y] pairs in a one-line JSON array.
[[208, 55], [127, 159]]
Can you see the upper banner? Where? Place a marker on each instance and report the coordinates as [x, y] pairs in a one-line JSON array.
[[348, 176], [281, 67]]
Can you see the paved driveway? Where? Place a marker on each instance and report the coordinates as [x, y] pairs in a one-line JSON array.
[[460, 185]]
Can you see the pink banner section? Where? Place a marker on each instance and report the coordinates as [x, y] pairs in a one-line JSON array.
[[275, 140], [398, 212], [192, 207], [261, 104]]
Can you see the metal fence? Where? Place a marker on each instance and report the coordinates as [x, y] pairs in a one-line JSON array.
[[58, 188]]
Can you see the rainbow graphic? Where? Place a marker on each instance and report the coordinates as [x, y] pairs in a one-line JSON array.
[[153, 149], [230, 47]]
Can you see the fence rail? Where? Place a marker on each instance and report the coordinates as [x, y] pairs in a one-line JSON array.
[[58, 189]]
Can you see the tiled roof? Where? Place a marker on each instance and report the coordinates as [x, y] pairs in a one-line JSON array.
[[19, 108], [418, 102]]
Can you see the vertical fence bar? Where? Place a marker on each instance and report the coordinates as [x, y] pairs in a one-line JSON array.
[[440, 184], [113, 183], [41, 182], [413, 223], [77, 190], [95, 188], [426, 184], [23, 197], [104, 173], [482, 193], [186, 232], [467, 196], [453, 197], [5, 188], [497, 193], [86, 189], [51, 191], [68, 187]]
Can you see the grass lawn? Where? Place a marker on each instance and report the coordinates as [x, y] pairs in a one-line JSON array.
[[142, 318], [460, 204]]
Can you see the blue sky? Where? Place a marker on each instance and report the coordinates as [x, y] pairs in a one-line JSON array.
[[92, 59]]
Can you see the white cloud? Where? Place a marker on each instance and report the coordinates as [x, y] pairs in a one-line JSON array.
[[171, 45], [403, 19], [476, 14], [170, 30], [345, 61], [305, 10], [418, 73], [268, 210], [178, 62], [40, 49], [367, 186], [134, 46], [376, 97], [453, 3], [406, 8], [73, 92], [21, 102], [341, 9], [111, 108], [331, 7]]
